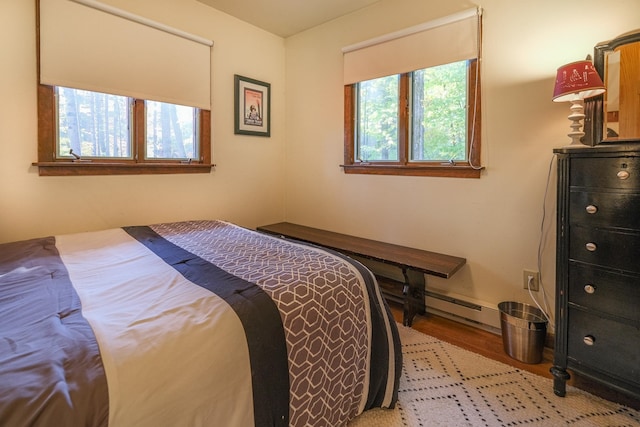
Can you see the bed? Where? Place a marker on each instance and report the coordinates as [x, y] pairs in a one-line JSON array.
[[196, 323]]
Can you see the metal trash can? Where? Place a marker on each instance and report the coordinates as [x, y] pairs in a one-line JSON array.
[[524, 329]]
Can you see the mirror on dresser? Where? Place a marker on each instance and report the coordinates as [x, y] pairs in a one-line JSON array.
[[615, 115]]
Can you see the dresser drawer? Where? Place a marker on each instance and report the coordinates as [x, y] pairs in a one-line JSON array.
[[605, 172], [596, 209], [617, 250], [614, 346], [605, 291]]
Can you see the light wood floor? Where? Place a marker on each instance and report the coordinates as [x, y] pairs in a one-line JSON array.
[[490, 345]]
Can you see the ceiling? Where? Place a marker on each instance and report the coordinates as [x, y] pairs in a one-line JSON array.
[[287, 17]]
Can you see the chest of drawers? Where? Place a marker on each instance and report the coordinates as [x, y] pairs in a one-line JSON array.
[[598, 267]]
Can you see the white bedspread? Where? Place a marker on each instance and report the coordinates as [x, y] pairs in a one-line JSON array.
[[139, 307]]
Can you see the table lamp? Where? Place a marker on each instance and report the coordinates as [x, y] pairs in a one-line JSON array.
[[575, 82]]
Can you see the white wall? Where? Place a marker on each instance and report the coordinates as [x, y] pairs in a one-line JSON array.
[[246, 186], [493, 221]]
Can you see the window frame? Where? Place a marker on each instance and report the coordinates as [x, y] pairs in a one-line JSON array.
[[49, 165], [405, 167]]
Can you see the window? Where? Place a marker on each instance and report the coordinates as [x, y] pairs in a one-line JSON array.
[[132, 98], [377, 127], [406, 120], [101, 127], [171, 131], [437, 132], [90, 133], [439, 105], [92, 125], [95, 125]]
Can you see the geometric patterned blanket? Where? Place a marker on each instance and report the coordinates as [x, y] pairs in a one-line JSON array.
[[340, 337]]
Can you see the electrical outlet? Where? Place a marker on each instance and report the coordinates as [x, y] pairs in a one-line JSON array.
[[535, 281]]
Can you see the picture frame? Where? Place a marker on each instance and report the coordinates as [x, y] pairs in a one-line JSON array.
[[252, 106]]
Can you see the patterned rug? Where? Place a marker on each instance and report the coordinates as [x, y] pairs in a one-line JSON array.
[[444, 385]]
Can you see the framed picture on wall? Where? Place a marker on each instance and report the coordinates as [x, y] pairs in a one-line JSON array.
[[252, 107]]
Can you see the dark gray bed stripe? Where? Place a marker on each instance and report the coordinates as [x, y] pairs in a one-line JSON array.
[[258, 314], [380, 348], [51, 371]]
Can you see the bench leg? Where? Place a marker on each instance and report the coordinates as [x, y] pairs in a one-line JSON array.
[[413, 292]]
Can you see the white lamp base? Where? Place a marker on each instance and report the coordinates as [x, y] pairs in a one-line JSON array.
[[576, 116]]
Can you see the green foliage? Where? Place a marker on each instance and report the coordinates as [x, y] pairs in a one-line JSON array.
[[438, 115], [378, 119]]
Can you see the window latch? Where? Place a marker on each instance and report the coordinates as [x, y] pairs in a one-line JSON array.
[[76, 157]]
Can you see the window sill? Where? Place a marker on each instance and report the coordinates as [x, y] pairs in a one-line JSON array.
[[97, 168], [452, 171]]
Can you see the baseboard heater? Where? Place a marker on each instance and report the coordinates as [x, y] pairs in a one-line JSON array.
[[463, 311]]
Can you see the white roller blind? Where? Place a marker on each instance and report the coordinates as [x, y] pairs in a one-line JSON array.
[[442, 41], [88, 45]]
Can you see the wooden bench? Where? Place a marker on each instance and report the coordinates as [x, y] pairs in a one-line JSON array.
[[414, 263]]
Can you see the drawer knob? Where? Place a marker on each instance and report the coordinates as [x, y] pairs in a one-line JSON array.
[[623, 174], [591, 209], [589, 340], [591, 247], [590, 289]]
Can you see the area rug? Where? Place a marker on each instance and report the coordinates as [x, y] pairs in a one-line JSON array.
[[444, 385]]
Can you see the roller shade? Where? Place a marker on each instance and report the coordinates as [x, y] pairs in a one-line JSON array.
[[88, 45], [441, 41]]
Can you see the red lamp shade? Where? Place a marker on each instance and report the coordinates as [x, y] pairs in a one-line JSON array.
[[577, 80]]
